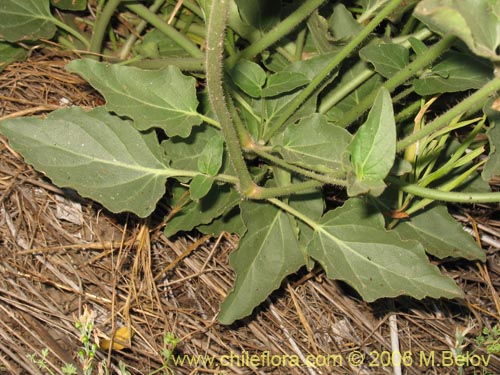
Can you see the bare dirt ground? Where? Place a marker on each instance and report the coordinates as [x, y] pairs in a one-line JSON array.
[[61, 256]]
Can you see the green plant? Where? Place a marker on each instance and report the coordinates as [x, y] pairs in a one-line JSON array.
[[41, 362], [281, 123]]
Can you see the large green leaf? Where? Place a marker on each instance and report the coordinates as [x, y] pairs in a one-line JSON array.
[[342, 24], [388, 59], [440, 235], [26, 20], [267, 253], [373, 148], [162, 98], [456, 72], [314, 143], [352, 245], [101, 156], [476, 22]]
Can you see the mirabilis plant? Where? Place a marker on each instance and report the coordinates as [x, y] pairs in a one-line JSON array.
[[301, 96]]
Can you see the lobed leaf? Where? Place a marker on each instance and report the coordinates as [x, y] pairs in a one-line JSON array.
[[440, 235], [352, 245], [162, 98], [101, 156], [267, 253]]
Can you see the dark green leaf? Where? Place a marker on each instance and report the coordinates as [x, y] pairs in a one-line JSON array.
[[26, 20], [283, 82], [492, 167], [440, 235], [373, 148], [342, 24], [457, 72], [10, 53], [230, 222], [101, 156], [218, 201], [315, 144], [388, 59], [200, 186], [267, 253], [319, 33], [262, 14], [352, 245], [249, 77], [162, 98]]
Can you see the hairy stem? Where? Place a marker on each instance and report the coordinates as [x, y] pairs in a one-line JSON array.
[[316, 82], [214, 58], [473, 102], [166, 29], [278, 32], [399, 78]]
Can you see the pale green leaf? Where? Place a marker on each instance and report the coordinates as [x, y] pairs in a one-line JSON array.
[[249, 77], [200, 186], [440, 235], [456, 72], [162, 98], [210, 160], [267, 253], [101, 156], [342, 24], [388, 59], [26, 20], [352, 245], [373, 148], [473, 21], [283, 82], [314, 143]]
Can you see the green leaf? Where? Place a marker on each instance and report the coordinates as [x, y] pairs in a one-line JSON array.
[[210, 160], [156, 44], [283, 82], [230, 222], [319, 33], [262, 14], [249, 77], [388, 59], [314, 143], [456, 72], [492, 167], [162, 98], [352, 245], [101, 156], [200, 186], [342, 24], [26, 20], [69, 4], [218, 201], [267, 253], [373, 148], [10, 53], [474, 21], [440, 235]]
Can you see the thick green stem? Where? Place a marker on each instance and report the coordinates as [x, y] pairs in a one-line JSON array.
[[473, 102], [71, 31], [101, 24], [445, 196], [339, 57], [278, 32], [214, 56], [168, 30], [399, 78]]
